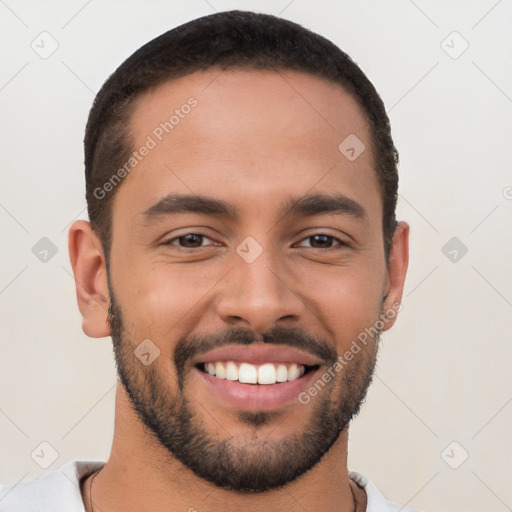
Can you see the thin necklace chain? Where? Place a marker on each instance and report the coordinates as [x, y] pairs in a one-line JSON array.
[[91, 506]]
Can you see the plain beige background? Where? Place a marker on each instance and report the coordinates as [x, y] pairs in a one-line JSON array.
[[443, 374]]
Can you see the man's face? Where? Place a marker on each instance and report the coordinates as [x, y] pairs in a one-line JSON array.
[[194, 281]]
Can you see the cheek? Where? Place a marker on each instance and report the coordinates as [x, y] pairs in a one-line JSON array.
[[347, 303], [162, 305]]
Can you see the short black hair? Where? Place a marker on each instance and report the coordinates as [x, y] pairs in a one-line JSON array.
[[225, 40]]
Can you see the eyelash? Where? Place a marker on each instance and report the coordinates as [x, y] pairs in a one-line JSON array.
[[193, 249]]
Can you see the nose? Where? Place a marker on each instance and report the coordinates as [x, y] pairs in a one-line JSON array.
[[259, 294]]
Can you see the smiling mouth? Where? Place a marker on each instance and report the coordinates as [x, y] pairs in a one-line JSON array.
[[246, 373]]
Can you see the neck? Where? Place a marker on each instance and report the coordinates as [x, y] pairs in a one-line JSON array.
[[141, 475]]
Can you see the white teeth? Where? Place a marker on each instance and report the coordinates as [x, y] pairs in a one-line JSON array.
[[231, 371], [293, 372], [266, 374], [247, 373], [219, 371], [282, 373]]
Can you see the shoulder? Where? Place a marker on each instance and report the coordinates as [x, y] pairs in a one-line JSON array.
[[55, 491], [376, 502]]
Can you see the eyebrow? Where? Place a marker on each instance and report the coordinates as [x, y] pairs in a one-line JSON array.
[[302, 206]]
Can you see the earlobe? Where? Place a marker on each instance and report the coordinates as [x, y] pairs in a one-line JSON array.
[[88, 264], [397, 270]]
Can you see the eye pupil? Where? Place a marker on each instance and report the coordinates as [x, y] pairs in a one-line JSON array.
[[191, 238], [323, 239]]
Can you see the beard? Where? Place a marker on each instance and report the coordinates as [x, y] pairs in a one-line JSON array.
[[254, 463]]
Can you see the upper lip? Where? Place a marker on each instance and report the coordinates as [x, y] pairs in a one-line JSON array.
[[257, 354]]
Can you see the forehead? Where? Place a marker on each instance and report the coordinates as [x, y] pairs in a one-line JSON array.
[[256, 134], [289, 103]]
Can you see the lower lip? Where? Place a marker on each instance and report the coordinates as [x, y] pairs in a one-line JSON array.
[[257, 397]]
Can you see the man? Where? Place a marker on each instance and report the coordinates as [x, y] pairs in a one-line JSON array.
[[244, 255]]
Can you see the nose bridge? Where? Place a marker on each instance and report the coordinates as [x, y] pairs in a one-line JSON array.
[[258, 289]]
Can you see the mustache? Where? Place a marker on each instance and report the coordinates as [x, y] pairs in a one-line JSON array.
[[189, 346]]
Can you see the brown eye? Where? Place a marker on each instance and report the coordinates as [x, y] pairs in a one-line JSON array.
[[322, 241], [188, 241]]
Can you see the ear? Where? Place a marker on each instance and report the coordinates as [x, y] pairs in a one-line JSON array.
[[397, 269], [88, 263]]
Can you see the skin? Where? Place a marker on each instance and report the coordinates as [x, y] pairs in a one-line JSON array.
[[255, 139]]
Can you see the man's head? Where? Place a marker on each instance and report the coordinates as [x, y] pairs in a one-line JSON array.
[[255, 230]]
